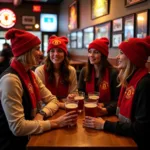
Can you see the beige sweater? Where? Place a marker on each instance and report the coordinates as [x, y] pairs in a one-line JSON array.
[[11, 92], [72, 87]]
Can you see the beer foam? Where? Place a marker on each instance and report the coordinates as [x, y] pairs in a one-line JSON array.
[[79, 98], [71, 106], [90, 105], [93, 97]]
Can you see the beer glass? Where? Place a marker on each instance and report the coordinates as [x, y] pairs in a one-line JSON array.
[[80, 96], [71, 106], [90, 108], [93, 96]]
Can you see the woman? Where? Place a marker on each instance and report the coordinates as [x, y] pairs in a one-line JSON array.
[[99, 75], [5, 57], [58, 76], [21, 93], [134, 100]]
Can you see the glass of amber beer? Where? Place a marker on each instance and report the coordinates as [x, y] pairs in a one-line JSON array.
[[71, 106], [90, 108], [93, 96], [80, 96]]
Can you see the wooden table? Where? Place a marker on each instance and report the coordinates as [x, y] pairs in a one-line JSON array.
[[80, 138]]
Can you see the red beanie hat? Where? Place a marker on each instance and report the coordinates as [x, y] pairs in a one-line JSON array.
[[137, 50], [21, 41], [101, 45], [58, 42]]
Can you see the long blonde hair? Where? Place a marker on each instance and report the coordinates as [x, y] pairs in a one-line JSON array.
[[124, 74], [27, 59]]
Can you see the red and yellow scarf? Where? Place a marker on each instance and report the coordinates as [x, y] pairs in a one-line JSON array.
[[126, 96], [104, 87], [60, 90], [29, 81]]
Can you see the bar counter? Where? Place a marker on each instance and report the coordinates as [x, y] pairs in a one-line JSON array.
[[80, 138]]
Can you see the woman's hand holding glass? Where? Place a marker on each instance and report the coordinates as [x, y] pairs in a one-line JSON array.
[[64, 120], [101, 110], [92, 122]]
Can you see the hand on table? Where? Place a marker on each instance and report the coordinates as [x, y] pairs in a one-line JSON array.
[[95, 123]]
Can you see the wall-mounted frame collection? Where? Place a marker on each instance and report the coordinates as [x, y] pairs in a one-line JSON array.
[[116, 30]]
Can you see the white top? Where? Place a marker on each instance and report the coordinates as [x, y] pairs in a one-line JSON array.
[[72, 86], [11, 92]]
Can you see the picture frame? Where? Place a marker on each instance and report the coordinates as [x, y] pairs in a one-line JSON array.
[[116, 39], [103, 30], [28, 20], [68, 36], [80, 39], [88, 36], [99, 8], [133, 2], [142, 24], [73, 40], [129, 26], [73, 16], [117, 25]]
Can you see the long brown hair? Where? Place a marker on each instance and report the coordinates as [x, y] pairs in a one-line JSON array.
[[104, 63], [63, 71]]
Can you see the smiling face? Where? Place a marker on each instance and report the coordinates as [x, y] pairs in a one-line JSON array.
[[122, 60], [94, 56], [36, 54], [57, 55]]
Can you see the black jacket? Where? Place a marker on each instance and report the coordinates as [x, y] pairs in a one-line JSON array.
[[139, 128]]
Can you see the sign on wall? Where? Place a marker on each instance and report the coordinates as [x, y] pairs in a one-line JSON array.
[[7, 18]]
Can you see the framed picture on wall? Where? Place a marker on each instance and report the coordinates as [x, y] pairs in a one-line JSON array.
[[103, 30], [142, 24], [88, 36], [28, 20], [133, 2], [116, 39], [68, 36], [79, 39], [99, 8], [117, 24], [129, 26], [73, 16], [73, 40]]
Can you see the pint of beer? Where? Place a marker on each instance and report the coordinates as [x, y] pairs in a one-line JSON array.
[[90, 109], [80, 98], [94, 96], [71, 107]]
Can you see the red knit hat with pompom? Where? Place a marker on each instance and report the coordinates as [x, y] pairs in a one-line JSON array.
[[101, 45], [137, 50], [21, 41], [58, 42]]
